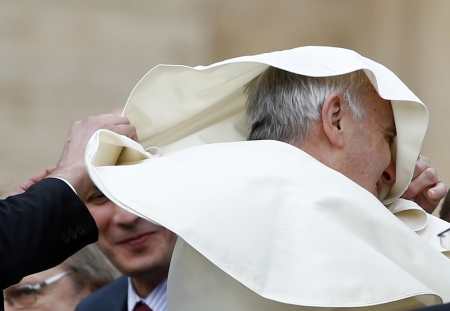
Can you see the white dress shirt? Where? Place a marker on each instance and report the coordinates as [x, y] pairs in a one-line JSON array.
[[156, 300]]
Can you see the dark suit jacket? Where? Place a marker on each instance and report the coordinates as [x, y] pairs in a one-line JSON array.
[[112, 297], [40, 228]]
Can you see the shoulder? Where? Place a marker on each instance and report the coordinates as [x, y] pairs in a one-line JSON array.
[[101, 299]]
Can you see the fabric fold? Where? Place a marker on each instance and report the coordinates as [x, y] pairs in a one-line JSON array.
[[262, 223], [174, 107], [258, 221]]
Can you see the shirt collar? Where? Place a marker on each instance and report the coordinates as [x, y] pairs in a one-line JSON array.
[[156, 300]]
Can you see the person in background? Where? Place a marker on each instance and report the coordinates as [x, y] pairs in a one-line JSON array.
[[139, 249], [47, 221], [444, 212], [63, 286]]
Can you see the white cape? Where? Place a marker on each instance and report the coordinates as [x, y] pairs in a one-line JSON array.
[[276, 221], [174, 107], [264, 226]]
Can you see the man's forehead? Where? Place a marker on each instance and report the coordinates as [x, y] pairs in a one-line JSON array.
[[382, 107], [391, 127]]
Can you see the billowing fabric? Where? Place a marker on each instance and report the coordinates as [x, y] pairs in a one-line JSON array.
[[427, 226], [265, 224], [174, 107], [276, 220]]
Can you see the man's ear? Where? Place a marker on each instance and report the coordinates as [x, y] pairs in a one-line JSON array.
[[332, 115]]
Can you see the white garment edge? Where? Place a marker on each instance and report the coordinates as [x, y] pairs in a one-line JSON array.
[[137, 209], [150, 98], [175, 106]]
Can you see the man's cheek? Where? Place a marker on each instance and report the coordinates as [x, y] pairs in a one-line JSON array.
[[100, 215]]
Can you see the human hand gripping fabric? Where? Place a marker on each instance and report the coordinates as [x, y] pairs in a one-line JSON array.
[[71, 166], [426, 188]]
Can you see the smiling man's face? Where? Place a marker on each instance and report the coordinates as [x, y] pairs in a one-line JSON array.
[[136, 247]]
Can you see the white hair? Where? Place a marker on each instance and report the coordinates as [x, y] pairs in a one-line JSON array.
[[282, 105]]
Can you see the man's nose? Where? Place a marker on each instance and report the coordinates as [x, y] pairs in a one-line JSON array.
[[389, 174], [123, 217]]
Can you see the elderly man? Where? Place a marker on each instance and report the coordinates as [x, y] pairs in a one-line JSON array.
[[293, 220]]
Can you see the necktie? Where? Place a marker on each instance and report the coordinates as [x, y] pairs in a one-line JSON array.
[[140, 306]]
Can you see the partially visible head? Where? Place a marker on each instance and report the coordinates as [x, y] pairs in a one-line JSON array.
[[81, 274], [136, 247], [444, 212], [283, 106], [93, 270], [341, 120]]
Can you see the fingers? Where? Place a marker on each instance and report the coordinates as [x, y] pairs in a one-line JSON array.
[[126, 130], [71, 166], [438, 192], [22, 187], [424, 180], [121, 125], [113, 122], [421, 165], [426, 188], [117, 111]]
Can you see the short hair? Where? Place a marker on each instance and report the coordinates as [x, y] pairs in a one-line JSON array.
[[282, 105], [92, 269]]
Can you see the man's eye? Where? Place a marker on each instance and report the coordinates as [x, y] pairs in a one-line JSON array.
[[390, 138], [25, 292], [97, 199], [20, 292]]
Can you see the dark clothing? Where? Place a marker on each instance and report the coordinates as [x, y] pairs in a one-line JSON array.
[[40, 229], [112, 297]]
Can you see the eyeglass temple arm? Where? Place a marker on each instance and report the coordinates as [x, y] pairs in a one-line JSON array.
[[51, 280]]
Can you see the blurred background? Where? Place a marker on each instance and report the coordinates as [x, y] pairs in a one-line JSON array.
[[61, 61]]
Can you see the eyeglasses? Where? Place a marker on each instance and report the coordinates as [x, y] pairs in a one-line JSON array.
[[444, 237], [25, 295]]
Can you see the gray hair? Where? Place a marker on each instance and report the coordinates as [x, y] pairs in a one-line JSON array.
[[93, 270], [282, 105]]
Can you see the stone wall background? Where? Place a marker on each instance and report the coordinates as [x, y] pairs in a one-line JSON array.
[[63, 60]]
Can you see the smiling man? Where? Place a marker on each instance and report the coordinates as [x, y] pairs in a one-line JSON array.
[[139, 249], [295, 218]]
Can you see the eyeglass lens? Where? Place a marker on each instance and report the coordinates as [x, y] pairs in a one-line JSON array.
[[20, 296]]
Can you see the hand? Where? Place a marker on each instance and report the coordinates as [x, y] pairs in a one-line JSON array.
[[426, 188], [71, 166], [22, 187]]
